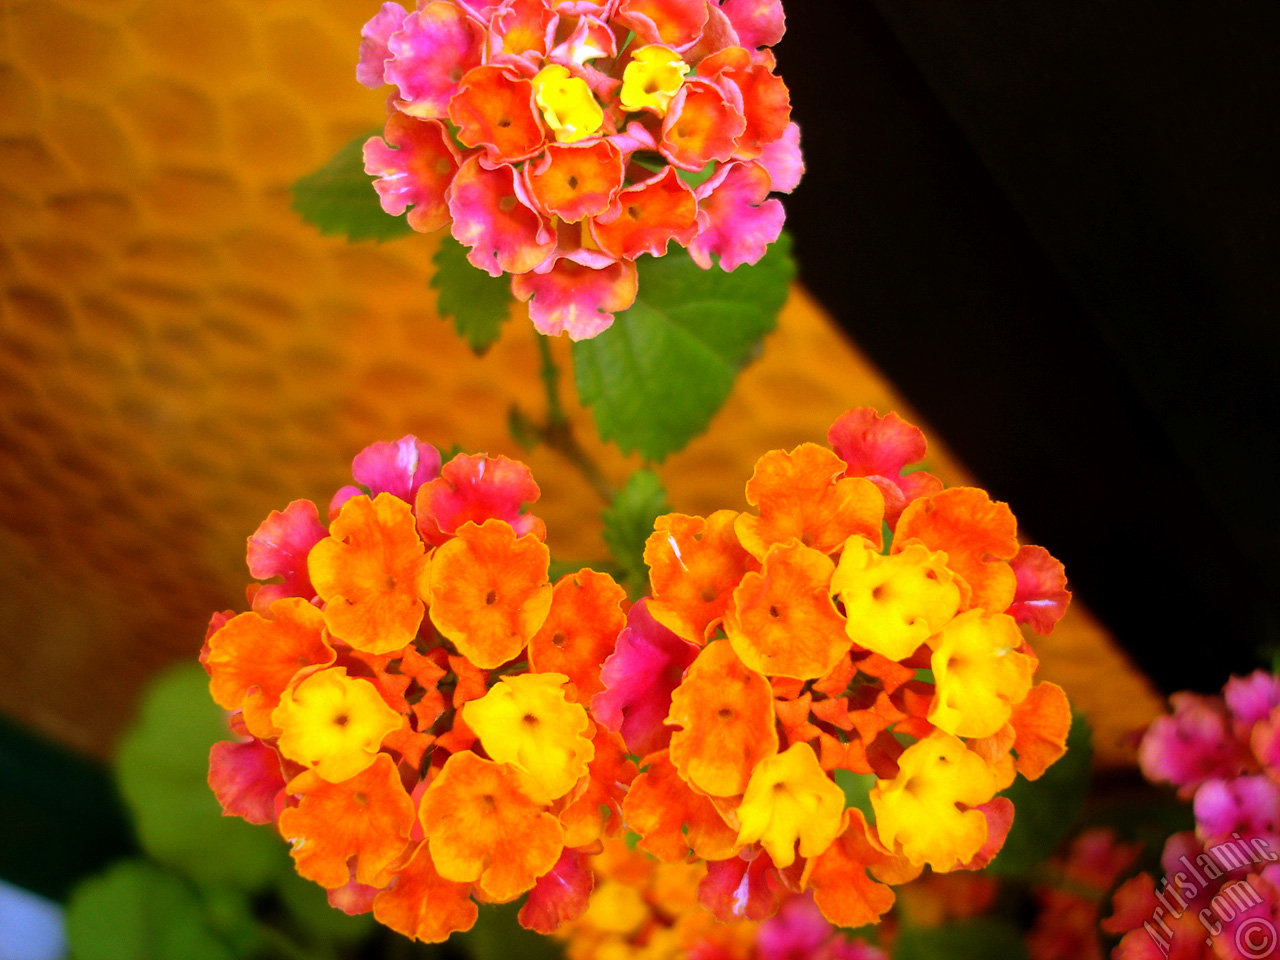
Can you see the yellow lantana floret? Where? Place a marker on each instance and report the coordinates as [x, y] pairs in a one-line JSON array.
[[528, 722], [567, 104], [333, 724], [790, 798], [616, 907], [916, 812], [893, 604], [979, 673], [654, 75]]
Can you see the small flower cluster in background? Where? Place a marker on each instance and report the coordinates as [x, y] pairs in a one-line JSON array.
[[562, 139], [851, 651], [1219, 893], [645, 908]]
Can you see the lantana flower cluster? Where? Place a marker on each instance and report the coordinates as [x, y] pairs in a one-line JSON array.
[[410, 691], [645, 909], [1219, 895], [851, 648], [560, 140]]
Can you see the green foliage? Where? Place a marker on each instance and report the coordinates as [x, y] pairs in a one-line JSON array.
[[498, 935], [857, 790], [138, 911], [339, 199], [162, 767], [308, 906], [628, 523], [1045, 809], [658, 375], [986, 938], [478, 303]]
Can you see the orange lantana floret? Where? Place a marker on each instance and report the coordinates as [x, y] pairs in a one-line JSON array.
[[251, 659], [978, 535], [481, 827], [672, 818], [423, 905], [782, 621], [725, 714], [526, 721], [372, 573], [1041, 723], [489, 591], [804, 495], [694, 566], [367, 817], [580, 631]]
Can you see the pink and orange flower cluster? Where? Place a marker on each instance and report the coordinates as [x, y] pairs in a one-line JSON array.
[[560, 140], [1219, 896], [860, 629], [410, 695]]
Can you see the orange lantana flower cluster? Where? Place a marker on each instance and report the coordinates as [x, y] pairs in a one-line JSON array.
[[830, 693], [410, 691]]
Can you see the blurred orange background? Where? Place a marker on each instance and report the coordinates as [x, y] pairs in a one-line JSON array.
[[181, 354]]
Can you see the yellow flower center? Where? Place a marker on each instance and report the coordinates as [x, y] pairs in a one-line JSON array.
[[567, 104]]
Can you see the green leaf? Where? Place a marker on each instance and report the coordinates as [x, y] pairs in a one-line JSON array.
[[478, 303], [308, 905], [628, 523], [1045, 809], [498, 935], [339, 199], [986, 938], [138, 911], [658, 375], [162, 767]]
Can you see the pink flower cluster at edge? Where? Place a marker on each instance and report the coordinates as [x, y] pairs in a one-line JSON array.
[[560, 140], [1219, 895]]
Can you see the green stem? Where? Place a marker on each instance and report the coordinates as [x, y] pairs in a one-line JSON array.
[[551, 380], [558, 434]]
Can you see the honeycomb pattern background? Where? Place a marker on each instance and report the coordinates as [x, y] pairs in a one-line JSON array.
[[180, 354]]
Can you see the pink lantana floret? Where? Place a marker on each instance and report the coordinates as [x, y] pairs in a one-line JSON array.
[[279, 548], [398, 468], [576, 299], [737, 222], [374, 53], [1193, 745], [759, 23], [1042, 596], [414, 166], [880, 448], [430, 52], [477, 488], [639, 677], [246, 779], [492, 216]]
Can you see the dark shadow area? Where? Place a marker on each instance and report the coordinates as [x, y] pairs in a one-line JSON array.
[[1054, 228]]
